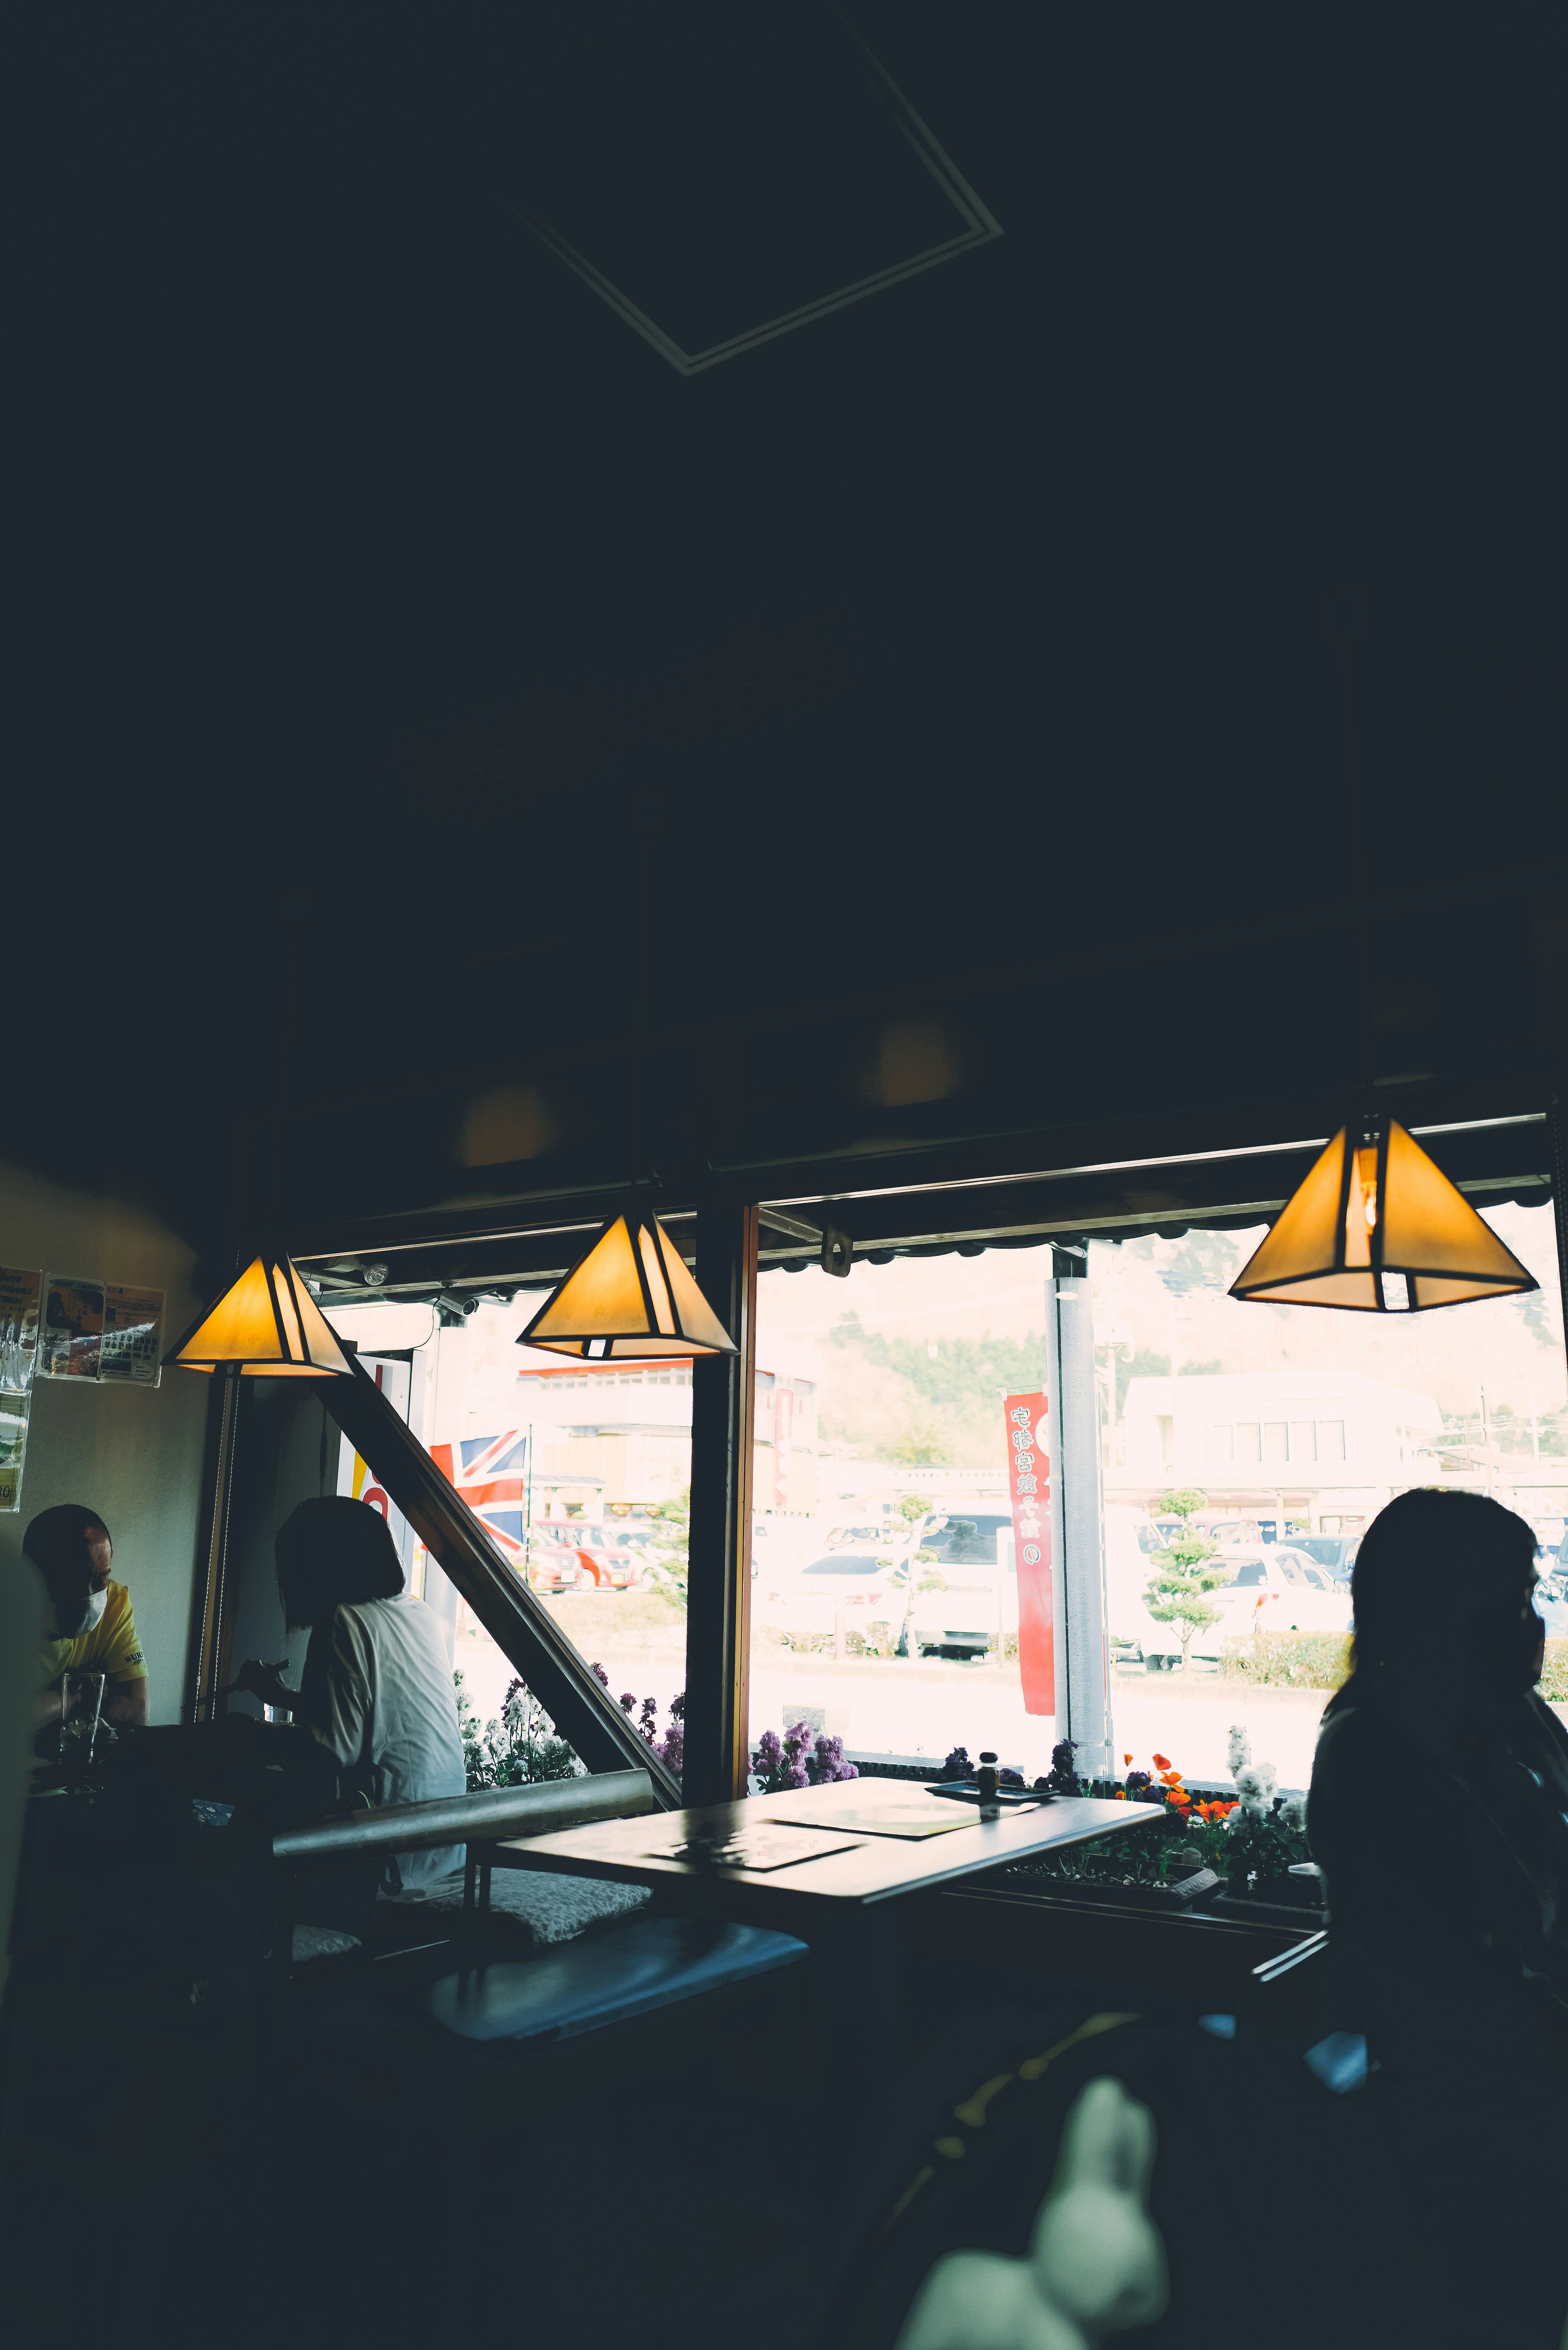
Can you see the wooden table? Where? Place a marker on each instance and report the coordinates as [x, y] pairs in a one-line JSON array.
[[872, 1868], [844, 1903]]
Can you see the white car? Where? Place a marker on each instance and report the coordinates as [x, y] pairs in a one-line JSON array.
[[1272, 1588], [870, 1586], [963, 1608]]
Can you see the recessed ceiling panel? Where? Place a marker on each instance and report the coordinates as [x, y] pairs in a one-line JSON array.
[[719, 177]]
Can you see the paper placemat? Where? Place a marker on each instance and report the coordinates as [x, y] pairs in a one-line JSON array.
[[760, 1849], [908, 1820]]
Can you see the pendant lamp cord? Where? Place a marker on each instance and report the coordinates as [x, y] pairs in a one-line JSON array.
[[1361, 899]]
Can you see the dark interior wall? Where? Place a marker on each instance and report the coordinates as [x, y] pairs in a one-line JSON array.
[[133, 1452]]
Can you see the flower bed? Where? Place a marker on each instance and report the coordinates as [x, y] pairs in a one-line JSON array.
[[1250, 1840]]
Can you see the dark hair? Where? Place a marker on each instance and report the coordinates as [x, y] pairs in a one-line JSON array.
[[56, 1542], [331, 1553], [1442, 1544]]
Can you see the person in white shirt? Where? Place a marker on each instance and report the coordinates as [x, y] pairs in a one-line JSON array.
[[377, 1688]]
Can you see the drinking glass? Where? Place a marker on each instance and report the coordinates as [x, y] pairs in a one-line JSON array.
[[81, 1702]]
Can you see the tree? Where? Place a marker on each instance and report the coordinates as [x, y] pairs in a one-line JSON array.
[[666, 1551], [1183, 1575]]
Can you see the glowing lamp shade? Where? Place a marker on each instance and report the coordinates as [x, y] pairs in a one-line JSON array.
[[630, 1295], [1375, 1228], [267, 1326]]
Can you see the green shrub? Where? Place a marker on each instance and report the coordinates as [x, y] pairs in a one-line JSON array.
[[1555, 1673], [1289, 1659]]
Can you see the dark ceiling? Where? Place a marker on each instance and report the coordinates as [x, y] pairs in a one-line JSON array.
[[443, 699]]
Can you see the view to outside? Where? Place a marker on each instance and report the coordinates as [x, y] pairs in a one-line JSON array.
[[1243, 1450], [581, 1474], [1294, 1426], [1244, 1447]]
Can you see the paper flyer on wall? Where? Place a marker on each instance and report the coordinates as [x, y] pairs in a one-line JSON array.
[[73, 1328], [133, 1334], [13, 1448], [20, 1290]]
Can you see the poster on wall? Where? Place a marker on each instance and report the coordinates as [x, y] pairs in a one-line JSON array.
[[13, 1448], [133, 1334], [73, 1328], [19, 1292]]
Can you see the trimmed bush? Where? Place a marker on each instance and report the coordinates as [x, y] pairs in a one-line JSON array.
[[1555, 1673], [1289, 1659]]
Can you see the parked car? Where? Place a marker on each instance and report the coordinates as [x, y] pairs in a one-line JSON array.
[[1273, 1587], [1337, 1552], [874, 1585], [609, 1564], [965, 1538], [963, 1598], [552, 1565]]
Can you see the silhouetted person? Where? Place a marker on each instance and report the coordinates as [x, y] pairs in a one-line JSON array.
[[377, 1688], [1439, 1813]]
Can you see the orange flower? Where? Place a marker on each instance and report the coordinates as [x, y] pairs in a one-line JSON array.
[[1162, 1761], [1171, 1778], [1210, 1812], [1127, 1758], [1120, 1796]]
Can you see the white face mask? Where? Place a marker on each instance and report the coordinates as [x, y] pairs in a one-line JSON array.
[[96, 1603]]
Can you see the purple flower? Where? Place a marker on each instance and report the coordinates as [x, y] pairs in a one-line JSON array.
[[957, 1764], [599, 1675], [673, 1751], [828, 1763], [678, 1707], [628, 1700]]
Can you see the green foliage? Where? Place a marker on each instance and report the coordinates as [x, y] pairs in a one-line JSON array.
[[922, 1440], [515, 1750], [1318, 1660], [1176, 1593], [1555, 1673], [668, 1552], [1185, 1502], [913, 1507], [947, 1406]]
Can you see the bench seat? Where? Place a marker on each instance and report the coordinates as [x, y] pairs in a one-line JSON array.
[[654, 1963]]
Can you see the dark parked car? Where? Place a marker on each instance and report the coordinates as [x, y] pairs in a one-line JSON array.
[[1337, 1552]]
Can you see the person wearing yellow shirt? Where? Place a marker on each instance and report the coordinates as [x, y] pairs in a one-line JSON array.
[[93, 1629]]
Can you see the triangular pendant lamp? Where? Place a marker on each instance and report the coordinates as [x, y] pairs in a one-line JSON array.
[[629, 1295], [267, 1326], [1375, 1228]]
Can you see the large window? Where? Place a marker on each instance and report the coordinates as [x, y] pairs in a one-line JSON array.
[[885, 1591], [581, 1473], [885, 1574], [1352, 1409]]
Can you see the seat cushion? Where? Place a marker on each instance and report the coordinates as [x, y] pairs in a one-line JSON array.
[[653, 1963], [550, 1909]]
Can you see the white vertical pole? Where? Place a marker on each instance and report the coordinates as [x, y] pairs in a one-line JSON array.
[[1083, 1711]]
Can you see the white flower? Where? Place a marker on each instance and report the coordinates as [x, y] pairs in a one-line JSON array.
[[1293, 1814], [1255, 1786], [1241, 1748]]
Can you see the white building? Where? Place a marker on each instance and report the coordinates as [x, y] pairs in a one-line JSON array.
[[1326, 1440], [629, 1425]]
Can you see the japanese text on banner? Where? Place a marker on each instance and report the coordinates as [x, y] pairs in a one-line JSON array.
[[1029, 1495]]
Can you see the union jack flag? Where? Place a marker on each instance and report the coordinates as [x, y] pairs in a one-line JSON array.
[[491, 1472]]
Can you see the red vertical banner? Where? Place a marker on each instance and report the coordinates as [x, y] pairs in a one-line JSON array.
[[1028, 1492]]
